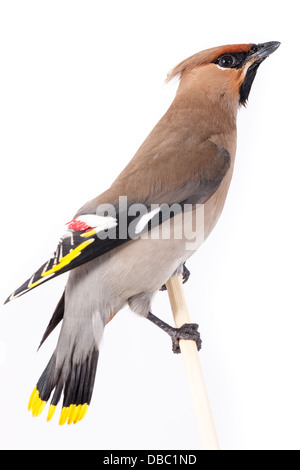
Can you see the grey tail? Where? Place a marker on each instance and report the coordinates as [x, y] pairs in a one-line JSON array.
[[75, 380], [55, 320]]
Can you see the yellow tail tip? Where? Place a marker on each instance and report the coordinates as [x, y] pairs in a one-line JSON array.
[[40, 406], [83, 411], [36, 405], [72, 409], [32, 398], [64, 414], [77, 414], [51, 412], [72, 414]]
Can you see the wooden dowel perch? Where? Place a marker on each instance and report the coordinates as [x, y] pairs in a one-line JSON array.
[[190, 355]]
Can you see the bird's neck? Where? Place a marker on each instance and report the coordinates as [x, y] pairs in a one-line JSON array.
[[213, 98]]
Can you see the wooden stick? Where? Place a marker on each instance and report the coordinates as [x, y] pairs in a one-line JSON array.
[[207, 432]]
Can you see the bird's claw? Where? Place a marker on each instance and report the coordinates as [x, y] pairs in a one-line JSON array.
[[163, 287], [186, 331], [185, 277], [185, 274]]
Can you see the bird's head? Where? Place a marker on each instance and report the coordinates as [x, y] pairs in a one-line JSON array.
[[225, 72]]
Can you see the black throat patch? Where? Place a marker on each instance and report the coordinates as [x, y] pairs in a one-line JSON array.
[[247, 83]]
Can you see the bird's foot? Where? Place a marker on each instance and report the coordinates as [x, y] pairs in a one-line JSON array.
[[186, 331]]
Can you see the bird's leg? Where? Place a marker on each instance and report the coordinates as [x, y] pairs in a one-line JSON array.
[[186, 331], [185, 276]]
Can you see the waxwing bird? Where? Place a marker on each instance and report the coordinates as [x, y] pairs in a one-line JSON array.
[[122, 246]]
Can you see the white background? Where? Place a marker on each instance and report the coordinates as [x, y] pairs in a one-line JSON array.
[[81, 86]]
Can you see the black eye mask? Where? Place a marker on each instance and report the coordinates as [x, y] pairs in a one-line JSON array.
[[235, 60]]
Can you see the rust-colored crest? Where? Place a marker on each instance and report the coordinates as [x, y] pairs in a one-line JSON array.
[[205, 57]]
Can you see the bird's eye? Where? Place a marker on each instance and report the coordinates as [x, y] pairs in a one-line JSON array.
[[227, 61]]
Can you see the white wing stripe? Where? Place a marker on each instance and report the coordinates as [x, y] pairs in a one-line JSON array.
[[145, 219]]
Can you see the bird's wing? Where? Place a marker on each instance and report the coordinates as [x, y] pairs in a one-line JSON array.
[[108, 226]]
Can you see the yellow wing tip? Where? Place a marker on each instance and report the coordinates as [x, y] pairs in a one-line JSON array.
[[34, 284], [88, 234], [67, 258]]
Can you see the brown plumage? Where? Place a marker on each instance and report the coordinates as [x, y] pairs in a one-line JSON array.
[[204, 110], [186, 160]]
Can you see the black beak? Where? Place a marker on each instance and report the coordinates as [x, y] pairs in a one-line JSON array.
[[257, 54], [262, 51]]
